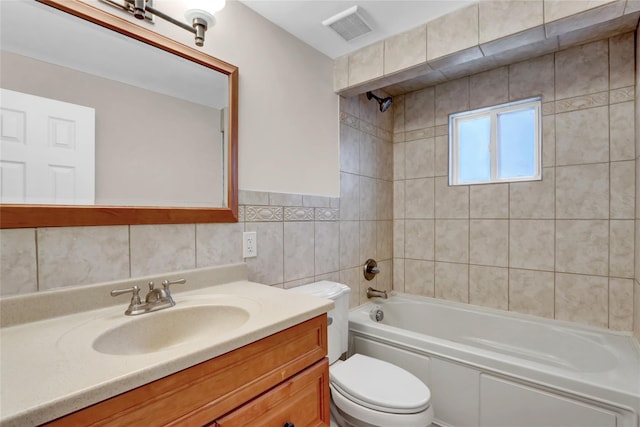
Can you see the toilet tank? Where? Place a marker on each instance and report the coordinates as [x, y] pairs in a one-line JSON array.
[[338, 318]]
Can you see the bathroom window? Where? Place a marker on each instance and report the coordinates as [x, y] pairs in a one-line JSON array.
[[496, 144]]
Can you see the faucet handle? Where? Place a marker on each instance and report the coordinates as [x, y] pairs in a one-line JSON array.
[[135, 290], [167, 283]]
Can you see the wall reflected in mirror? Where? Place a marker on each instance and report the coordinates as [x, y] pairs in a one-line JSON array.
[[118, 122]]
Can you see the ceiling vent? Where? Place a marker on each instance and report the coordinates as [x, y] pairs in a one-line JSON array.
[[349, 24]]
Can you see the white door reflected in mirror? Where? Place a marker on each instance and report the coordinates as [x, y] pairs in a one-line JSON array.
[[47, 153]]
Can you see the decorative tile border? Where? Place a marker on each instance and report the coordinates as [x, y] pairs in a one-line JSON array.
[[327, 214], [350, 120], [548, 108], [582, 102], [420, 134], [263, 213], [298, 214], [621, 95]]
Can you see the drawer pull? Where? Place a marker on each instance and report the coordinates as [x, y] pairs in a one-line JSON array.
[[287, 424]]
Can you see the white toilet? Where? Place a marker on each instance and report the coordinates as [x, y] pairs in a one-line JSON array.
[[367, 392]]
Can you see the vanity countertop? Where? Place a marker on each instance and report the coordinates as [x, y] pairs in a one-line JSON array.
[[50, 368]]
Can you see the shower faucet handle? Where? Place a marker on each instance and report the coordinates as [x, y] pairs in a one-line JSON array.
[[371, 269]]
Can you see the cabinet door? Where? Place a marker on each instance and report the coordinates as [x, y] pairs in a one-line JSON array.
[[301, 401]]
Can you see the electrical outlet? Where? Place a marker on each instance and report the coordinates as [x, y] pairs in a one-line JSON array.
[[249, 244]]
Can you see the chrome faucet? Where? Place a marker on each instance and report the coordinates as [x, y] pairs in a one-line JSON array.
[[156, 298], [371, 293]]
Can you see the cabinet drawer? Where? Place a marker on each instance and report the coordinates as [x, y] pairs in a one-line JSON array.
[[199, 394], [302, 401]]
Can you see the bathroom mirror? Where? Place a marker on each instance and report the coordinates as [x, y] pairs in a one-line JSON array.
[[193, 111]]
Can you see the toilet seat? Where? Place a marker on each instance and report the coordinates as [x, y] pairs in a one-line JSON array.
[[379, 386]]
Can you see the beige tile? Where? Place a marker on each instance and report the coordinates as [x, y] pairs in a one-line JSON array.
[[341, 73], [350, 105], [531, 244], [384, 199], [351, 278], [622, 189], [366, 64], [268, 266], [18, 261], [218, 244], [621, 60], [499, 19], [451, 202], [533, 77], [419, 277], [582, 192], [419, 239], [419, 158], [399, 156], [588, 14], [452, 281], [349, 196], [549, 141], [162, 248], [582, 136], [398, 113], [451, 97], [453, 32], [531, 292], [327, 247], [398, 239], [489, 201], [405, 50], [420, 198], [489, 242], [349, 244], [489, 88], [419, 109], [368, 244], [582, 247], [621, 248], [636, 310], [534, 199], [398, 274], [523, 40], [557, 9], [583, 102], [349, 149], [367, 155], [368, 200], [621, 121], [489, 286], [385, 277], [602, 30], [384, 242], [582, 299], [384, 160], [442, 156], [621, 304], [533, 50], [452, 240], [398, 199], [463, 63], [582, 70]]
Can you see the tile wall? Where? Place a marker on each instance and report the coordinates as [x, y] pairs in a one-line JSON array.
[[636, 293], [560, 248]]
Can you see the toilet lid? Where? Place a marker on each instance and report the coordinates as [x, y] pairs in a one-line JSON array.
[[379, 385]]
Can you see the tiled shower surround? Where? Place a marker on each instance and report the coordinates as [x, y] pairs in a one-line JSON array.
[[561, 248]]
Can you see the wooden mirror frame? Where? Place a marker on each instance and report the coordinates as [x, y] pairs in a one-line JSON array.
[[22, 216]]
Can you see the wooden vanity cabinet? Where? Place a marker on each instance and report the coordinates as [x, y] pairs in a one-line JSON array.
[[281, 380]]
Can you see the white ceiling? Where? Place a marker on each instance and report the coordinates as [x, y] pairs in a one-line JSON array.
[[303, 19]]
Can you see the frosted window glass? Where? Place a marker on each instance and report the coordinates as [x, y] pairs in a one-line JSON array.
[[516, 144], [475, 153]]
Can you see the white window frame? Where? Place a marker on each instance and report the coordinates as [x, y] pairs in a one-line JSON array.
[[493, 113]]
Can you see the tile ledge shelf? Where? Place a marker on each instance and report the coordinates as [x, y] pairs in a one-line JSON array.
[[606, 20]]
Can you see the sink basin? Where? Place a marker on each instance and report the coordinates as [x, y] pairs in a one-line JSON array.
[[169, 328]]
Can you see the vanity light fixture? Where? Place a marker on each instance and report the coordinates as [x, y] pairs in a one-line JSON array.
[[199, 14]]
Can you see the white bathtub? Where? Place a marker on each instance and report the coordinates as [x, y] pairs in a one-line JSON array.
[[494, 368]]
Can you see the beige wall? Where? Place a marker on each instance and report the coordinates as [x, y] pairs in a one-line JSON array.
[[561, 248], [142, 157], [636, 293], [288, 124]]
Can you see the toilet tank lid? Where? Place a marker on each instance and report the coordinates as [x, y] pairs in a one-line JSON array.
[[324, 289]]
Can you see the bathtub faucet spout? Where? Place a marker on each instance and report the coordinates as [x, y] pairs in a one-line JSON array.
[[376, 293]]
